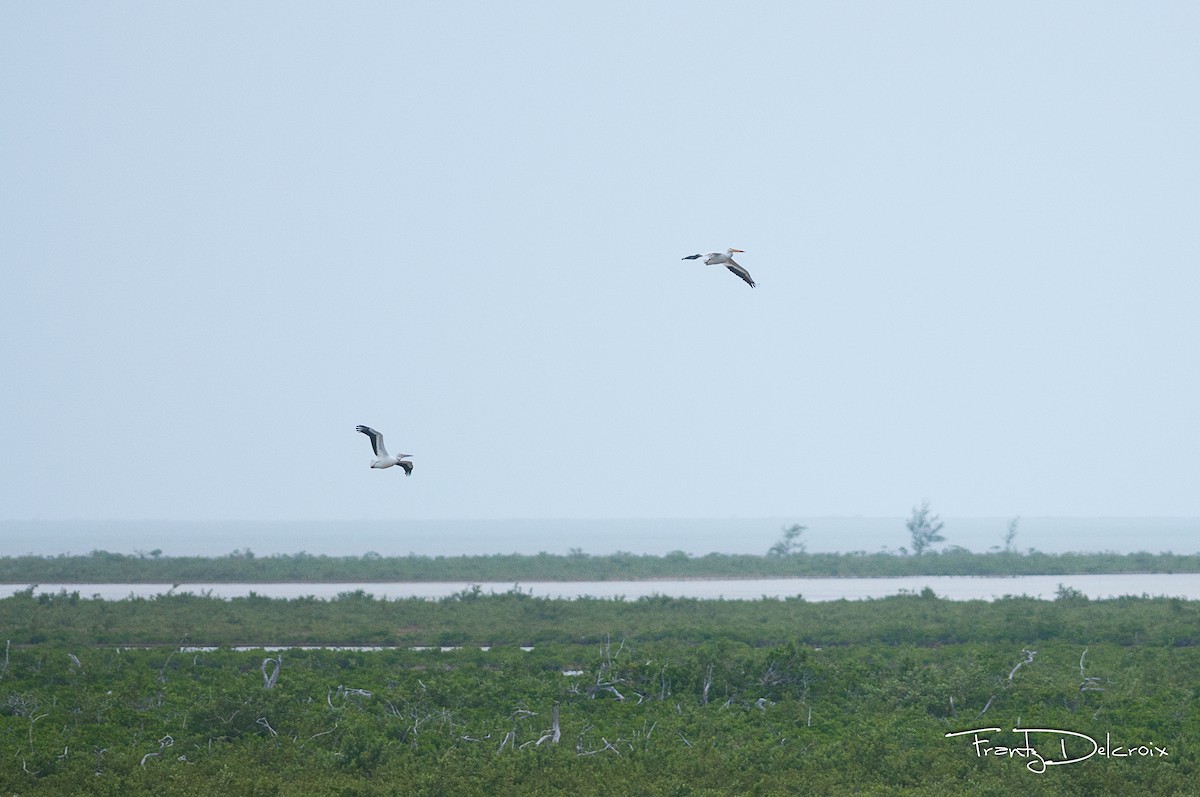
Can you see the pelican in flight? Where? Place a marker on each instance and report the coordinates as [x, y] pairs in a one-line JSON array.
[[382, 458], [725, 259]]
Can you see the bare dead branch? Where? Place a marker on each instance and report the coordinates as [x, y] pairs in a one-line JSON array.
[[604, 687], [32, 720], [270, 678], [163, 744], [1090, 683], [322, 733], [1029, 654], [552, 735]]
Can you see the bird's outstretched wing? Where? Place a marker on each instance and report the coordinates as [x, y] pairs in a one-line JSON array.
[[741, 272], [692, 257], [404, 463], [376, 440]]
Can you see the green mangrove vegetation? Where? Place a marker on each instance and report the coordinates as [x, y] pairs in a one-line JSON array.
[[244, 566], [481, 694]]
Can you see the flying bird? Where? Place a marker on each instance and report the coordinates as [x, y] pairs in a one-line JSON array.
[[382, 458], [725, 259]]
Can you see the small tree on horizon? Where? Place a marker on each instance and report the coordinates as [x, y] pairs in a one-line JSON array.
[[789, 543], [924, 528], [1011, 534]]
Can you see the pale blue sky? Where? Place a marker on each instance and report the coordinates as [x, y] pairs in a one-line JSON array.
[[233, 231]]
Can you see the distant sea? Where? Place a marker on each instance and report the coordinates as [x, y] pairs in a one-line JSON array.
[[640, 536]]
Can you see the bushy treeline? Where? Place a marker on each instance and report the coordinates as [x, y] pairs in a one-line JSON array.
[[650, 697], [518, 619], [244, 566]]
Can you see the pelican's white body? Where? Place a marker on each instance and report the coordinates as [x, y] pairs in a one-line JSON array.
[[725, 259], [382, 458], [388, 461]]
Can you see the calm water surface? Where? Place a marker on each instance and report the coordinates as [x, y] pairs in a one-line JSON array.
[[1181, 585]]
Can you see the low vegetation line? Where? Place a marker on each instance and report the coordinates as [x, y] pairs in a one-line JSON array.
[[244, 566]]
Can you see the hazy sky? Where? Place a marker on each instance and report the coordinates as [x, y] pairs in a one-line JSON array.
[[233, 231]]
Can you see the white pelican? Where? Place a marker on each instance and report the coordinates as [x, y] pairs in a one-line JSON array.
[[382, 458], [725, 259]]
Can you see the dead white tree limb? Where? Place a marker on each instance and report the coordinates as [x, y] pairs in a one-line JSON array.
[[322, 733], [162, 673], [1090, 683], [553, 734], [163, 744], [1029, 654], [604, 687], [33, 719], [269, 679], [1028, 659], [607, 746]]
